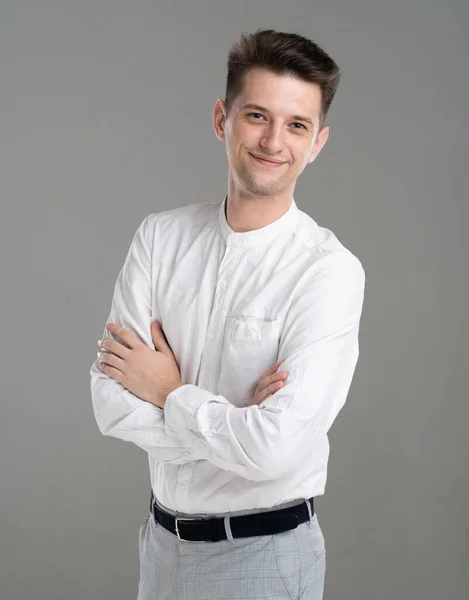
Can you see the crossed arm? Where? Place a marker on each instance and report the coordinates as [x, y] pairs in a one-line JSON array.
[[119, 412], [319, 343]]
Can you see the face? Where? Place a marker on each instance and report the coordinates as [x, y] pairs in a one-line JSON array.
[[275, 117]]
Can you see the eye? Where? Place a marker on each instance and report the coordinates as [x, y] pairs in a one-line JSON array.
[[301, 126]]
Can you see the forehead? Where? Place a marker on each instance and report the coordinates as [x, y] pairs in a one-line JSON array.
[[280, 94]]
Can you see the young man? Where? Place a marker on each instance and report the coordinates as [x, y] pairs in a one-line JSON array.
[[211, 299]]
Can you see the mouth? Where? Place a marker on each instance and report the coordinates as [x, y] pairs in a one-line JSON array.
[[272, 163]]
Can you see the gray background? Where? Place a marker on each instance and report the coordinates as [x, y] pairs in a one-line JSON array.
[[106, 117]]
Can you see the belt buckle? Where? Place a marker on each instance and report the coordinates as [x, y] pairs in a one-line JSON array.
[[177, 529]]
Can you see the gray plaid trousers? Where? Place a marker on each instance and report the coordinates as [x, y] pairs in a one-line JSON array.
[[284, 566]]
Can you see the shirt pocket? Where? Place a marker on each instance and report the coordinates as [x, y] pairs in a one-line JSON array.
[[252, 329], [250, 347]]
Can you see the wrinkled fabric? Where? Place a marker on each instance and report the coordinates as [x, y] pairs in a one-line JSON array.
[[231, 304]]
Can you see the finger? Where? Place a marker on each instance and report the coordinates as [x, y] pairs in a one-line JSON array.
[[268, 391], [159, 338], [280, 375], [271, 369], [112, 360], [112, 346], [111, 371], [257, 401], [266, 381], [263, 399], [131, 339], [274, 387]]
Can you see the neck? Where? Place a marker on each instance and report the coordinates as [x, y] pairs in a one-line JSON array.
[[246, 213]]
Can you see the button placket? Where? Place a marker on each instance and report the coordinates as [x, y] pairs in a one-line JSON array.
[[228, 266], [184, 479], [226, 270]]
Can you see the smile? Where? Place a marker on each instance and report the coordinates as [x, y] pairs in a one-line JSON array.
[[267, 163]]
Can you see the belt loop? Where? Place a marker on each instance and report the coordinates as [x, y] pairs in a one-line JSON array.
[[308, 503], [229, 535]]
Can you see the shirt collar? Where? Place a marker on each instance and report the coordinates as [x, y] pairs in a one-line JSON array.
[[245, 239]]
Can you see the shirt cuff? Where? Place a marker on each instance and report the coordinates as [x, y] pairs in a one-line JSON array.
[[181, 408]]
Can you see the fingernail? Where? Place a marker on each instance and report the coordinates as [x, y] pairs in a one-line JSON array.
[[100, 342]]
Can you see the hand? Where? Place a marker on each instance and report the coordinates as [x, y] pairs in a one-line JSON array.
[[269, 383], [149, 374]]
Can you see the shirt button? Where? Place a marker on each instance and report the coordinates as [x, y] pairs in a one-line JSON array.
[[222, 284], [181, 487], [212, 336]]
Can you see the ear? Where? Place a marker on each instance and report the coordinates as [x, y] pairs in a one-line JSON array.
[[219, 117], [319, 144]]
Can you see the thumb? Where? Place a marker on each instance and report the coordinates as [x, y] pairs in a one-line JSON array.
[[159, 338], [156, 333]]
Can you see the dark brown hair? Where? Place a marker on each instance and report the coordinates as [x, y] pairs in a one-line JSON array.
[[284, 54]]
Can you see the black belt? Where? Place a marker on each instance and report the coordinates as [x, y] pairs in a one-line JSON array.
[[203, 529]]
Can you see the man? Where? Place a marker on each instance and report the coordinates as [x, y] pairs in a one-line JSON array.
[[212, 298]]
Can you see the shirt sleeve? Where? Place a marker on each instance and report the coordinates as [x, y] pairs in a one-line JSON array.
[[117, 411], [319, 342]]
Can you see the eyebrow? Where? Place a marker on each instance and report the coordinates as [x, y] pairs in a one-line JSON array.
[[266, 110]]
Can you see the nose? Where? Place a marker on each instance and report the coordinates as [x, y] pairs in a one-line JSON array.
[[272, 139]]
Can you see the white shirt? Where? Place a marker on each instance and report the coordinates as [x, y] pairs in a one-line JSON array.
[[231, 304]]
